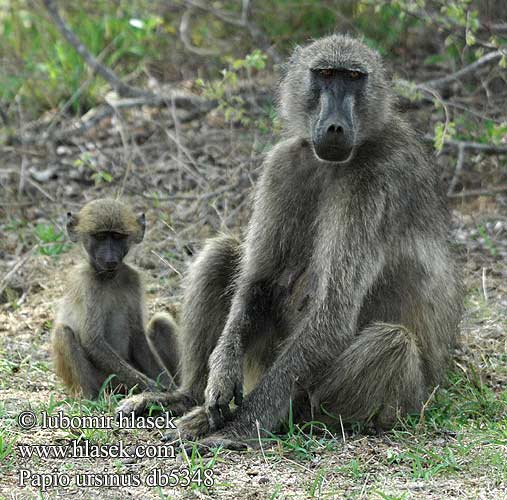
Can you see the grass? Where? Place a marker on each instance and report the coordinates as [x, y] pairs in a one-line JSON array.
[[464, 432], [460, 441], [122, 37]]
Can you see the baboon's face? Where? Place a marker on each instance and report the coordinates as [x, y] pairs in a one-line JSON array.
[[106, 250], [333, 128], [336, 95]]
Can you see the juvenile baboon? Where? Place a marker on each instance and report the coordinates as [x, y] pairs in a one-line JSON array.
[[344, 294], [100, 326]]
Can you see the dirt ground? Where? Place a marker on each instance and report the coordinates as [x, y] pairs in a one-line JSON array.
[[193, 180]]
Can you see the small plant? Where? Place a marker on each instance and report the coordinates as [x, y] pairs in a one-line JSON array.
[[303, 440], [6, 448], [51, 240], [200, 471], [98, 175], [233, 107]]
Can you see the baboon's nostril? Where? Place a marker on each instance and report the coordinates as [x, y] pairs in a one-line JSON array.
[[335, 129]]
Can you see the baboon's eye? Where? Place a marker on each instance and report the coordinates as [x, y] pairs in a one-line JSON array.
[[355, 75], [100, 236], [326, 72], [118, 236]]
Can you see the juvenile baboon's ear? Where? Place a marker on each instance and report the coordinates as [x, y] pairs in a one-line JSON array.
[[72, 221], [138, 237]]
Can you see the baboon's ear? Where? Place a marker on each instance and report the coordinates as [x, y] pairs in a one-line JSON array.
[[72, 221], [138, 237], [292, 61], [295, 54]]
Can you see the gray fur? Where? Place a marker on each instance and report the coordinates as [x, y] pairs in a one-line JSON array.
[[346, 288]]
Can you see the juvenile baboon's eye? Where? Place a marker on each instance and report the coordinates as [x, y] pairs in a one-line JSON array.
[[354, 75], [118, 236]]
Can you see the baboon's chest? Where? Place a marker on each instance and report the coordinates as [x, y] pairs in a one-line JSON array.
[[293, 293], [122, 319]]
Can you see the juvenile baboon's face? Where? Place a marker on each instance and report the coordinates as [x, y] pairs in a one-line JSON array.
[[336, 95], [106, 250], [107, 229]]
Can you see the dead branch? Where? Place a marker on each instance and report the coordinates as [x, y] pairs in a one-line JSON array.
[[439, 83], [457, 170], [122, 88], [480, 192], [195, 105], [4, 282], [477, 147], [185, 36]]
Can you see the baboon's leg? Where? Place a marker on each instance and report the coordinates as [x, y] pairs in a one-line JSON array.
[[206, 304], [207, 298], [72, 364], [163, 340], [378, 377], [145, 359]]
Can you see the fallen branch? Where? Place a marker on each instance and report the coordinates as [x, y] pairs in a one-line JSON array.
[[196, 106], [4, 282], [122, 88]]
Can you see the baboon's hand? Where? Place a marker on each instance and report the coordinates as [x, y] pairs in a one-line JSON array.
[[225, 383]]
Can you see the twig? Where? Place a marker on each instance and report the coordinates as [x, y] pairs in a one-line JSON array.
[[484, 288], [480, 192], [77, 93], [122, 88], [168, 264], [257, 425], [185, 36], [470, 146], [21, 262], [257, 35], [37, 186], [424, 406], [439, 83], [93, 117], [4, 116], [457, 170], [342, 429], [22, 173]]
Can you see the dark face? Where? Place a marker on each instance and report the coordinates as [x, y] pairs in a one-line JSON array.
[[334, 129], [107, 250]]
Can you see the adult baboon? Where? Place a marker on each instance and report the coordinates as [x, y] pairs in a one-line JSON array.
[[100, 328], [344, 294]]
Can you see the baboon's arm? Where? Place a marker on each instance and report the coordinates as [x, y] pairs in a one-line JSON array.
[[321, 337], [108, 360]]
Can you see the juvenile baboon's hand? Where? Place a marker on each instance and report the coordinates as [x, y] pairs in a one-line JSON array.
[[136, 404], [225, 383], [176, 402], [190, 426]]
